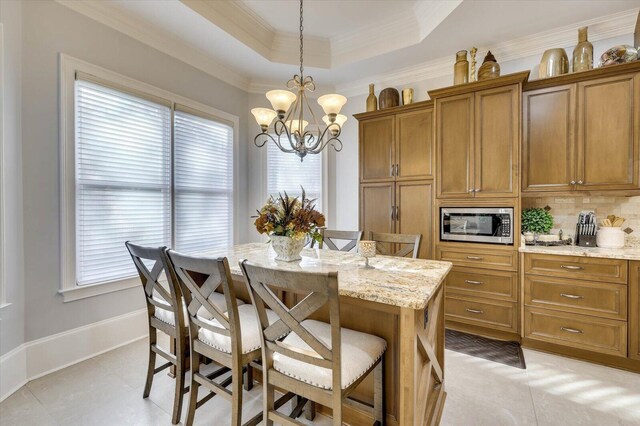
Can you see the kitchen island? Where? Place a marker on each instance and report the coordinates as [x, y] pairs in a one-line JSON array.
[[400, 300]]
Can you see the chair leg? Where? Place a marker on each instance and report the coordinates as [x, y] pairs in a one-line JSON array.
[[180, 373], [310, 411], [193, 390], [153, 338], [172, 349], [268, 401], [248, 378], [378, 394], [236, 397]]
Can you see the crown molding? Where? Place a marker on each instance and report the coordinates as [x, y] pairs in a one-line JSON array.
[[602, 28], [111, 16]]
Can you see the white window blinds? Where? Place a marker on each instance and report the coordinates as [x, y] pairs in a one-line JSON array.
[[122, 180], [203, 183], [285, 172]]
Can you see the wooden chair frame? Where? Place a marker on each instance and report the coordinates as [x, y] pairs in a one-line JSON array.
[[199, 278], [178, 333], [320, 289], [410, 241], [328, 235]]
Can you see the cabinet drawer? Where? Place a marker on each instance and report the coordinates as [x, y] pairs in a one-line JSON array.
[[487, 258], [478, 282], [577, 331], [486, 313], [586, 268], [600, 299]]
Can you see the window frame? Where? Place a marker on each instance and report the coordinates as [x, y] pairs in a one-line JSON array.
[[3, 215], [69, 66]]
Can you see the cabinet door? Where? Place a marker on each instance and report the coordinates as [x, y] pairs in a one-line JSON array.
[[454, 142], [414, 148], [497, 136], [634, 309], [376, 208], [548, 148], [414, 202], [608, 147], [377, 149]]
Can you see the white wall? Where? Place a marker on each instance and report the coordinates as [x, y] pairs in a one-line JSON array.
[[345, 168], [48, 29], [12, 316]]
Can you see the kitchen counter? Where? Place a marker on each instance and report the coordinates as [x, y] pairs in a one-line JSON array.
[[395, 281], [631, 253], [400, 300]]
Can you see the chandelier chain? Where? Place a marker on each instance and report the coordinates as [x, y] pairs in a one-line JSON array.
[[301, 42]]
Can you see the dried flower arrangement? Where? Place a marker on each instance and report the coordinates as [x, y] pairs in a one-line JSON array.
[[290, 217]]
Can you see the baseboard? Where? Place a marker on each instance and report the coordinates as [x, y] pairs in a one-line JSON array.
[[43, 356]]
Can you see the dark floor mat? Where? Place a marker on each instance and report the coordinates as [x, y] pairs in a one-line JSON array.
[[509, 353]]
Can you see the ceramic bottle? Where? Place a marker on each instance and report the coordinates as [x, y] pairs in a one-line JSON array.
[[461, 68], [372, 101], [583, 52]]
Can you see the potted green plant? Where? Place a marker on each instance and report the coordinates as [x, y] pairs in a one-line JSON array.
[[536, 221], [288, 221]]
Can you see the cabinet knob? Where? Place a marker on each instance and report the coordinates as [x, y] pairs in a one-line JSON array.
[[573, 182], [580, 182], [476, 190], [471, 191]]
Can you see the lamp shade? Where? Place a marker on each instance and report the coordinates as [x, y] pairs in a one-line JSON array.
[[332, 104], [340, 119], [294, 126], [264, 116], [281, 100]]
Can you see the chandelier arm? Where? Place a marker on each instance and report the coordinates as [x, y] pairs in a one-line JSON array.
[[268, 138]]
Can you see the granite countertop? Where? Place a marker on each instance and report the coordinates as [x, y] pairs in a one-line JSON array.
[[627, 253], [402, 282]]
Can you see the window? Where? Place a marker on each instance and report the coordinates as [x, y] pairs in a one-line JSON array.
[[142, 165], [285, 172]]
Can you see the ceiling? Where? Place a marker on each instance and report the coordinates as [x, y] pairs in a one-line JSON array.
[[254, 44]]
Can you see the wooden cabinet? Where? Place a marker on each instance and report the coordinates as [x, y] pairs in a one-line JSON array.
[[414, 147], [548, 145], [414, 201], [377, 201], [583, 136], [477, 139], [634, 309], [377, 148]]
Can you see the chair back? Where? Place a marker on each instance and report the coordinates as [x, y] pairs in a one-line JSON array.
[[320, 289], [199, 277], [405, 244], [329, 237], [150, 279]]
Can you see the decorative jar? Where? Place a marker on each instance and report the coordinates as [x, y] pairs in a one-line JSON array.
[[610, 237], [461, 68]]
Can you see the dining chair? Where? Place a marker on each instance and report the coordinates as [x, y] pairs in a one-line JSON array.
[[228, 334], [406, 244], [165, 312], [321, 362], [330, 236]]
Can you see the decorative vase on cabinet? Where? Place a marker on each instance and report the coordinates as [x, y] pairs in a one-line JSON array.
[[583, 52], [489, 68], [554, 63], [461, 68], [372, 101]]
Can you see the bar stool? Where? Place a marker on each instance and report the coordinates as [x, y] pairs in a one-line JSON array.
[[165, 312], [409, 244], [229, 336], [309, 360]]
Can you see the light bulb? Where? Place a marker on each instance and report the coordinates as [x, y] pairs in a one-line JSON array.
[[264, 116], [332, 104], [294, 126], [281, 100]]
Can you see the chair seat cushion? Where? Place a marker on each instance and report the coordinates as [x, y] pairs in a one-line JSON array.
[[249, 331], [166, 316], [360, 351]]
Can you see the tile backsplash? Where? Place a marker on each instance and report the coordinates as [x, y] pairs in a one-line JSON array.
[[565, 211]]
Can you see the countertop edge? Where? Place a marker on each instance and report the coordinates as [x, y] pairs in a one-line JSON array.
[[627, 253]]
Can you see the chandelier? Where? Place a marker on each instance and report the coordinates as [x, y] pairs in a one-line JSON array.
[[290, 132]]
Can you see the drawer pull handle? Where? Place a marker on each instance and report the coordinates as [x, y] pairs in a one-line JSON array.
[[571, 296], [474, 258], [571, 330], [473, 282], [474, 311], [571, 267]]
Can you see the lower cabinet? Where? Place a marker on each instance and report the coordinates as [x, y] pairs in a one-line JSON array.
[[495, 314], [634, 310]]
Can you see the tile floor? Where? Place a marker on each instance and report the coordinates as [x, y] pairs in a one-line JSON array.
[[107, 390]]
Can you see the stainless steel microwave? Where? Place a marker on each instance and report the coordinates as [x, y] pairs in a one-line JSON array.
[[492, 225]]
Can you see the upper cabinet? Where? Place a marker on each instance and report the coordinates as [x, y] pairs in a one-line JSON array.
[[397, 146], [583, 136], [477, 141]]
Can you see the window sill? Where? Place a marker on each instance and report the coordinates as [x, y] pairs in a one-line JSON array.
[[85, 291]]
